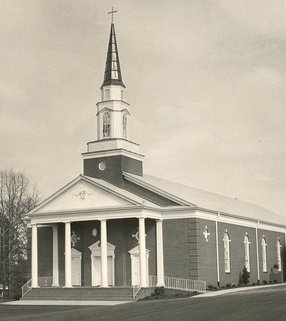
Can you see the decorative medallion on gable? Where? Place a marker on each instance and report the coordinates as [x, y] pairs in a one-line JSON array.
[[83, 195]]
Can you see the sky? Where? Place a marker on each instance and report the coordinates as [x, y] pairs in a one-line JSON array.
[[205, 80]]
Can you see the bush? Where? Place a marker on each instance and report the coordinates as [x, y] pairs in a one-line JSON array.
[[159, 291], [264, 282], [228, 285], [245, 276], [212, 287]]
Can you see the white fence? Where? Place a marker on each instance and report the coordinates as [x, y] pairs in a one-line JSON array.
[[180, 284]]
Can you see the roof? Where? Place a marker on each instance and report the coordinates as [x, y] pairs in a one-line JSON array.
[[112, 75], [207, 200]]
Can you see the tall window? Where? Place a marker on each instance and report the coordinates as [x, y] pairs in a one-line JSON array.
[[226, 241], [278, 248], [264, 254], [106, 124], [246, 252], [122, 95], [124, 124], [107, 94]]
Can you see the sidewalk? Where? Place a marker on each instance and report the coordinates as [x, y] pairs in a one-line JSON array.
[[235, 290], [56, 302]]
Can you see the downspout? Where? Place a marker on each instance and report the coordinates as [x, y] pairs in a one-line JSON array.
[[217, 253], [257, 253]]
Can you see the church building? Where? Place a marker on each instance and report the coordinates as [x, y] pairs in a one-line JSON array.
[[115, 227]]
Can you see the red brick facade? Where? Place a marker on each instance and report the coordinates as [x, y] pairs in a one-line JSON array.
[[187, 253]]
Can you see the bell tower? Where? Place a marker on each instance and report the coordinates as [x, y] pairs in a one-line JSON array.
[[112, 152]]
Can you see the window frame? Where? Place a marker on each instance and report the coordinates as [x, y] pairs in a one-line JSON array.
[[264, 254], [247, 252], [226, 252], [106, 124]]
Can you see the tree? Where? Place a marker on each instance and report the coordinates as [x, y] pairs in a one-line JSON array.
[[17, 197]]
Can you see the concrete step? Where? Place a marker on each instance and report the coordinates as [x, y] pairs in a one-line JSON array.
[[80, 293]]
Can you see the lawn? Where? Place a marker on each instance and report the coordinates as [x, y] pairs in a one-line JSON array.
[[261, 304]]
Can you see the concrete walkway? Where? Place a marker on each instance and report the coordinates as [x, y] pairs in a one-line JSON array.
[[56, 302], [236, 290]]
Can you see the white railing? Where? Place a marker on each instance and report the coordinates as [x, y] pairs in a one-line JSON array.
[[180, 284], [26, 287], [136, 289]]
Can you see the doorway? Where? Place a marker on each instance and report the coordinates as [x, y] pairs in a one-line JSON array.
[[135, 266], [96, 264]]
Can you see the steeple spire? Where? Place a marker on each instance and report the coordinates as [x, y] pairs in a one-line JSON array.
[[112, 75]]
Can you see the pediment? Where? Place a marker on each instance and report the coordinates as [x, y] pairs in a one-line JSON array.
[[136, 251], [82, 195]]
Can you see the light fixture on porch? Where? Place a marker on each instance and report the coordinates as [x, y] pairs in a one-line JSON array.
[[94, 232]]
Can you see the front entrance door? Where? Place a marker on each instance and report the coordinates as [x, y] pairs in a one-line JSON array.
[[76, 267], [135, 266], [96, 264], [96, 271]]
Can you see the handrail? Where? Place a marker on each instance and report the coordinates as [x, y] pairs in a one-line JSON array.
[[180, 284], [136, 289], [26, 287]]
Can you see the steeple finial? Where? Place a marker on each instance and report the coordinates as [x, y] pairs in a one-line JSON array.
[[112, 12], [112, 75]]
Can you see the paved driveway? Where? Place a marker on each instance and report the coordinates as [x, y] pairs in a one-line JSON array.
[[259, 304]]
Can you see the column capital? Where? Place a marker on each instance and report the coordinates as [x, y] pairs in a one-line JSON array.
[[159, 220]]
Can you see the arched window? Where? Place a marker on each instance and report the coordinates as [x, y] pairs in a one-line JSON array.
[[246, 252], [278, 248], [226, 241], [124, 125], [264, 254], [106, 124]]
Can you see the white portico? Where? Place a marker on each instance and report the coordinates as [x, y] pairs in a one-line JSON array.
[[87, 200]]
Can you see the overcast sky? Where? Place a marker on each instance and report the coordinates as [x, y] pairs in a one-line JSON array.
[[205, 80]]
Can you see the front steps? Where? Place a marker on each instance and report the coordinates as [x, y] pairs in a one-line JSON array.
[[80, 294]]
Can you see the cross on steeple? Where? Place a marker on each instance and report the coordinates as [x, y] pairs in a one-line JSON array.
[[112, 12]]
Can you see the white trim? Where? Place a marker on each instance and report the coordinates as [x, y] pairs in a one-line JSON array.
[[135, 254], [96, 252], [257, 252], [217, 252], [264, 254], [226, 247], [247, 252], [113, 152], [86, 179]]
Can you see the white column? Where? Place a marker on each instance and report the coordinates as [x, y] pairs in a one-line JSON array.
[[68, 255], [142, 252], [160, 253], [103, 244], [34, 256], [55, 256]]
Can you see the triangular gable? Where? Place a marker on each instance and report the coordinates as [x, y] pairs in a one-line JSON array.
[[81, 194]]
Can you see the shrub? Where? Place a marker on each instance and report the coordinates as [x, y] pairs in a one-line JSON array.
[[245, 276], [264, 282], [212, 287], [228, 285], [159, 291]]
